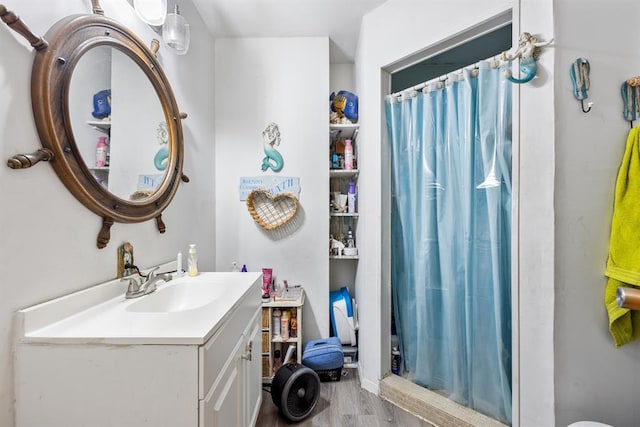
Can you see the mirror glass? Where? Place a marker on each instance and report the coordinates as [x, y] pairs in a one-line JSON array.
[[118, 123]]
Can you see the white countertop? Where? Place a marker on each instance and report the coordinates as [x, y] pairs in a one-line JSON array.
[[102, 315]]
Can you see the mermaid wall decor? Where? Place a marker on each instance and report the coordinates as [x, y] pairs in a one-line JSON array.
[[271, 138], [528, 51]]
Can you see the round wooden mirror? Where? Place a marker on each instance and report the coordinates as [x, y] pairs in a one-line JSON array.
[[62, 72]]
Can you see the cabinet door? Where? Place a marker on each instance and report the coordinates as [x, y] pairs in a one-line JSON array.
[[223, 404], [252, 370]]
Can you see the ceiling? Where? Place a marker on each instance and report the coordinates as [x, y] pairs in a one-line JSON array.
[[338, 19]]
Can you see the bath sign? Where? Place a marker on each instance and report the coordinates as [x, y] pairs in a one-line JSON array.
[[273, 184]]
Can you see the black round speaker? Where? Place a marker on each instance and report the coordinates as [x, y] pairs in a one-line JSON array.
[[295, 390]]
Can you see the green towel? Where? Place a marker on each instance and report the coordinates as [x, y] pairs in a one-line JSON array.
[[623, 264]]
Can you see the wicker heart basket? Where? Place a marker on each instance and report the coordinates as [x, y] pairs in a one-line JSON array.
[[271, 212]]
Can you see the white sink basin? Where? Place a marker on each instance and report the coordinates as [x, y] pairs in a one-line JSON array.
[[181, 296], [183, 311]]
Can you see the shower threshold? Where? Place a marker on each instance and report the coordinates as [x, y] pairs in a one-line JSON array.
[[431, 406]]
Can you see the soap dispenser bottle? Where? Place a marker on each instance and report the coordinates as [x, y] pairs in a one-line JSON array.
[[192, 267]]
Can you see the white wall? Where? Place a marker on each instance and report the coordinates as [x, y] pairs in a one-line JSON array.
[[286, 81], [594, 380], [342, 77], [48, 238]]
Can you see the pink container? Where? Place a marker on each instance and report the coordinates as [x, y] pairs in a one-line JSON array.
[[266, 281]]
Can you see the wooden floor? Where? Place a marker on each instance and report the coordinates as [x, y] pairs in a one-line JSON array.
[[343, 404]]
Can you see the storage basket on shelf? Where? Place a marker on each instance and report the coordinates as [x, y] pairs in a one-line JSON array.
[[325, 357]]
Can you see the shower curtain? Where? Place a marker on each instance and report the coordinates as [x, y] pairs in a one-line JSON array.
[[451, 236]]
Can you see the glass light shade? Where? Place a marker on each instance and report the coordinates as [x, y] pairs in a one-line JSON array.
[[176, 33], [152, 12]]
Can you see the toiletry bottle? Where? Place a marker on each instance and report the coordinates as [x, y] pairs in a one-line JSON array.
[[267, 276], [234, 267], [192, 268], [276, 323], [293, 324], [351, 242], [101, 152], [179, 270], [340, 153], [395, 361], [351, 198], [244, 268], [284, 324], [348, 155]]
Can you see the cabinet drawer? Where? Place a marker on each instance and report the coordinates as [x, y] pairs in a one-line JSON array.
[[214, 353]]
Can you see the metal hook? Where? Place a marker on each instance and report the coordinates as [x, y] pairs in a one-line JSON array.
[[589, 105]]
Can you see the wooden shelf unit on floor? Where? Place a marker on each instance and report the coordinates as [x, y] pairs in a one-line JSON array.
[[271, 341]]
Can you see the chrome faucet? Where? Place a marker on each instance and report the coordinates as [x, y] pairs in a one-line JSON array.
[[146, 285]]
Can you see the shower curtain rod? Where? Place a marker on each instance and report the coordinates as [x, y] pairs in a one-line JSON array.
[[442, 80]]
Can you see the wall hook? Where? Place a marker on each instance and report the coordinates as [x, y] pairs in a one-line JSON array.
[[589, 105], [581, 84], [630, 91], [528, 51]]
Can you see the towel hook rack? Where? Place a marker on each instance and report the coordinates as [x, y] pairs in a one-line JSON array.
[[581, 83], [630, 91]]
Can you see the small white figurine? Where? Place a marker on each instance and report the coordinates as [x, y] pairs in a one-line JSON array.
[[336, 246]]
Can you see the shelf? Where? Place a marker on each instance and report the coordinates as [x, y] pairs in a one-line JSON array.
[[99, 168], [100, 125], [343, 268], [344, 257], [295, 300], [350, 126], [343, 173], [344, 214], [289, 341], [345, 131]]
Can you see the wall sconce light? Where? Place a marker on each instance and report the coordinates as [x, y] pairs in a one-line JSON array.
[[152, 12], [175, 32]]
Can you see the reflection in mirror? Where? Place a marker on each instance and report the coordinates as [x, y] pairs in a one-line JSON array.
[[136, 145]]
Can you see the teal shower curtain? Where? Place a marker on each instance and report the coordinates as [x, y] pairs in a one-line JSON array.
[[451, 236]]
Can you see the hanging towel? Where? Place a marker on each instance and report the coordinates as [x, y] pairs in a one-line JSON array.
[[623, 264]]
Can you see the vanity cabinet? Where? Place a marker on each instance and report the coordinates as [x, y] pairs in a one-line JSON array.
[[61, 380], [234, 396]]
